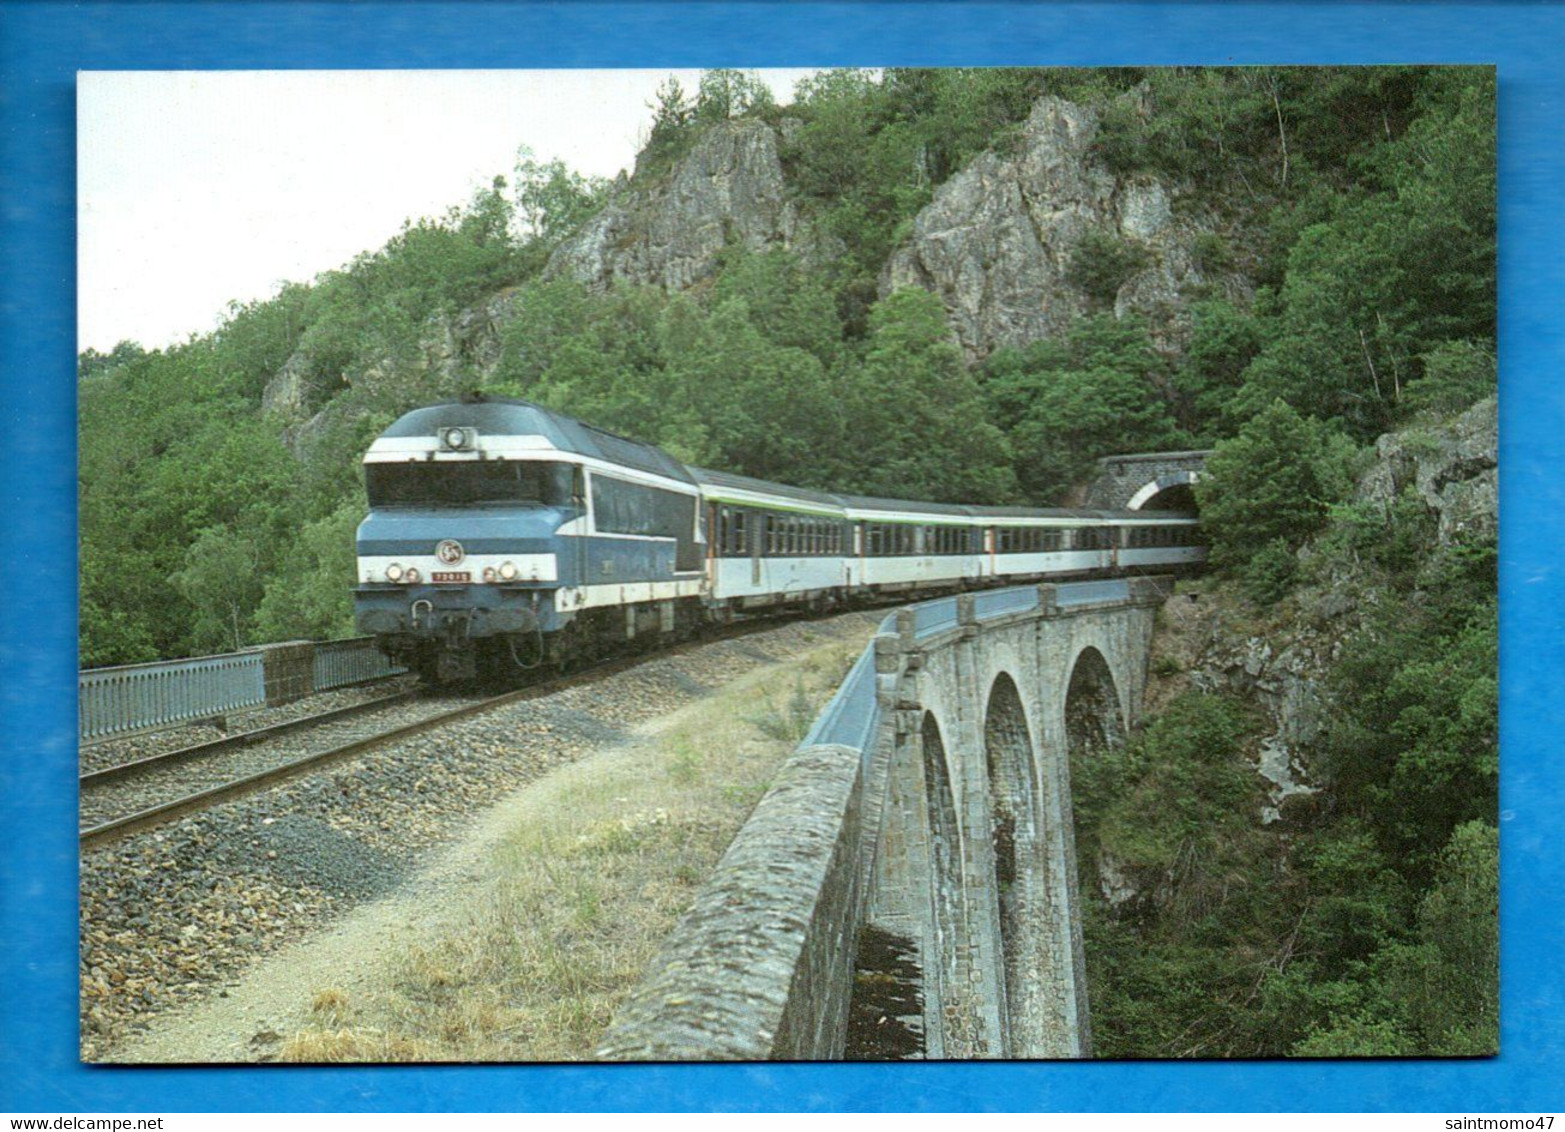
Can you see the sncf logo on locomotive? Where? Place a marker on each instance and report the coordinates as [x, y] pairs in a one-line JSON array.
[[450, 552]]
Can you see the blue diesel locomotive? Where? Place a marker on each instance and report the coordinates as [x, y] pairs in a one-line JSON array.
[[503, 535]]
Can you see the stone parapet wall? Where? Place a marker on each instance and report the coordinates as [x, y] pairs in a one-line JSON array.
[[761, 967], [289, 669], [900, 834]]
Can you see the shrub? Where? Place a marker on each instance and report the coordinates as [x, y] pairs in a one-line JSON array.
[[1102, 263]]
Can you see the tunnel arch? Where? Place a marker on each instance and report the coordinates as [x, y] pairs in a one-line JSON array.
[[1016, 820], [1173, 492]]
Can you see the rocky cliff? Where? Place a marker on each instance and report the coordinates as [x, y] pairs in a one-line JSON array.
[[728, 189], [999, 241], [1003, 243]]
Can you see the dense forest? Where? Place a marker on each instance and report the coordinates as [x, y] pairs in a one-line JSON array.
[[1342, 285]]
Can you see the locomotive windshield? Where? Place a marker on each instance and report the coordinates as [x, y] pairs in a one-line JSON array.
[[447, 483]]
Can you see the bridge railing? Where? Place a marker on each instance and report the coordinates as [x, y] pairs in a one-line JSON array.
[[132, 699], [353, 660], [850, 718]]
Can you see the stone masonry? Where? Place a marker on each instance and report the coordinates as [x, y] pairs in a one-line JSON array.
[[950, 832], [1132, 482]]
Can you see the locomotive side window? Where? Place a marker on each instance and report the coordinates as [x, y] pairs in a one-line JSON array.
[[623, 508]]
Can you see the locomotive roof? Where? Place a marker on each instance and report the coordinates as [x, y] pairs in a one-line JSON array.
[[506, 416]]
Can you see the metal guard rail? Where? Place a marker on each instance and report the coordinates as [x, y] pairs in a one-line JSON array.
[[132, 699]]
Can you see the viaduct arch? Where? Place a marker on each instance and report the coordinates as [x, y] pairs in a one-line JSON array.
[[914, 863]]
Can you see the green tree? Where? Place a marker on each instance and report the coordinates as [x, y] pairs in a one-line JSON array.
[[724, 94], [1102, 263], [1456, 375], [787, 304], [767, 410], [1223, 341], [1268, 489], [1065, 402], [670, 135], [221, 580], [920, 426], [1414, 743], [310, 595], [552, 200]]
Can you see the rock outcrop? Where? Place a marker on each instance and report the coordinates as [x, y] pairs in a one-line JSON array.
[[1453, 468], [998, 241], [728, 189], [1285, 678], [469, 342], [288, 393]]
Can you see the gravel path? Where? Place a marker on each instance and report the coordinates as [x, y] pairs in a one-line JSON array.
[[113, 752], [171, 914]]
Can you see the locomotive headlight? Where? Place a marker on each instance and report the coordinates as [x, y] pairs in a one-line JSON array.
[[412, 573], [489, 574], [394, 572], [508, 571]]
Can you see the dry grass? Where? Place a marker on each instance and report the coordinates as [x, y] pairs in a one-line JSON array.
[[602, 859]]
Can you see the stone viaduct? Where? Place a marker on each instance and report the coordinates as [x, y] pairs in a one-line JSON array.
[[907, 888]]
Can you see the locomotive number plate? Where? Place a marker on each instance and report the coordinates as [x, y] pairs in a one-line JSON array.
[[450, 576]]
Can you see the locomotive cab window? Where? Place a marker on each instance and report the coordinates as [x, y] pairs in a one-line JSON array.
[[446, 483]]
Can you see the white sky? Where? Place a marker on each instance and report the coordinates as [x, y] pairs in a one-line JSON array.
[[200, 187]]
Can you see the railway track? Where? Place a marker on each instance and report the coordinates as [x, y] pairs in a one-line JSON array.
[[121, 800]]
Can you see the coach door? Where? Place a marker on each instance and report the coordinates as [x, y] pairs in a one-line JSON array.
[[760, 531], [578, 554]]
